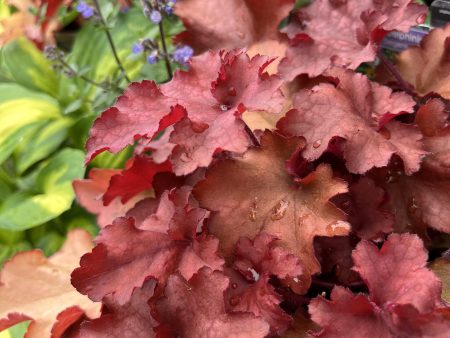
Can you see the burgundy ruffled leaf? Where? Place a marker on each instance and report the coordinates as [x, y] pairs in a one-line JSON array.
[[421, 200], [404, 296], [265, 256], [167, 244], [397, 272], [358, 111], [343, 33], [347, 315], [257, 297], [229, 24], [136, 113], [195, 308], [130, 320], [134, 180], [368, 219], [90, 191], [335, 257], [271, 201], [204, 121]]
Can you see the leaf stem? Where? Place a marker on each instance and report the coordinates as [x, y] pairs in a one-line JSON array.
[[110, 40], [164, 46], [252, 136], [396, 74], [88, 80]]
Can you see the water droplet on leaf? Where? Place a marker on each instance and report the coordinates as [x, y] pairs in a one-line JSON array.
[[279, 210], [412, 206], [317, 144], [232, 91], [224, 107]]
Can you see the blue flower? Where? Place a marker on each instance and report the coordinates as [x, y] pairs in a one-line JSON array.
[[152, 58], [155, 16], [85, 10], [137, 48], [168, 10], [183, 54]]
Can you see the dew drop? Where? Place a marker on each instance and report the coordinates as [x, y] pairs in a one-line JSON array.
[[234, 286], [279, 210], [338, 226], [235, 300], [255, 275], [224, 107], [232, 91], [317, 144], [412, 206], [254, 207]]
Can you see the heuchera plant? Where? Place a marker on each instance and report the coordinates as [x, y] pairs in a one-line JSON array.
[[318, 225]]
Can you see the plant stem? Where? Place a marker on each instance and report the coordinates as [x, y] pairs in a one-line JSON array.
[[395, 73], [252, 136], [85, 78], [110, 40], [166, 54]]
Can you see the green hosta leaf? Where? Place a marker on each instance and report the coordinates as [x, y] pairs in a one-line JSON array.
[[53, 195], [18, 330], [15, 139], [20, 107], [29, 67], [42, 143]]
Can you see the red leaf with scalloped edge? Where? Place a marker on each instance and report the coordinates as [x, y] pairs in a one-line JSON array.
[[265, 256], [368, 220], [347, 315], [335, 257], [358, 111], [115, 267], [229, 24], [257, 297], [131, 320], [134, 180], [270, 200], [422, 199], [343, 33], [90, 193], [195, 308], [397, 272], [404, 299], [136, 113], [199, 118]]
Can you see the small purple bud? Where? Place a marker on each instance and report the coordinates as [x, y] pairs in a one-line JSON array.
[[152, 58], [168, 10], [183, 54], [85, 10], [137, 48], [155, 16]]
